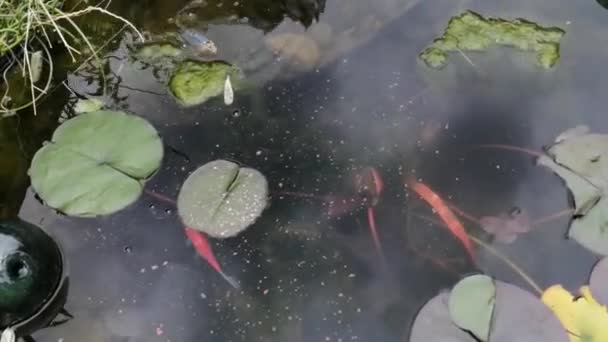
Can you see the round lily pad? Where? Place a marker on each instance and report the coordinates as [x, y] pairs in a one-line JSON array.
[[96, 163], [222, 199], [517, 315], [599, 281], [194, 82], [472, 303]]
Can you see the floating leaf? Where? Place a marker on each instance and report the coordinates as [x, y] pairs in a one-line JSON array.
[[194, 82], [96, 163], [221, 199], [433, 323], [517, 316], [598, 282], [87, 106], [584, 318], [582, 161], [506, 226], [472, 303]]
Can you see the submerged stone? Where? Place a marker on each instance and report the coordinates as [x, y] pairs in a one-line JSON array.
[[194, 82], [470, 31]]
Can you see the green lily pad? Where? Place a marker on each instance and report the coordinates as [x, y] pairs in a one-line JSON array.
[[517, 315], [472, 303], [96, 163], [599, 281], [194, 82], [470, 31], [581, 160], [222, 199]]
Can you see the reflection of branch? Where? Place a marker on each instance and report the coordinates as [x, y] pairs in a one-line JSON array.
[[442, 263], [160, 197], [141, 90]]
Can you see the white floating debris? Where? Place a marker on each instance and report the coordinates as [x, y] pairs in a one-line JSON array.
[[228, 92], [8, 335]]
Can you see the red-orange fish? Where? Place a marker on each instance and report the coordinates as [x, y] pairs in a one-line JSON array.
[[370, 185], [446, 215], [202, 246]]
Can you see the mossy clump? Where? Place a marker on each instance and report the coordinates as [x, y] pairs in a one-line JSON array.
[[194, 82], [470, 31]]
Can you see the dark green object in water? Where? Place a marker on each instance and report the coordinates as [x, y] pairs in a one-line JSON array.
[[194, 82], [31, 276], [603, 3], [470, 31]]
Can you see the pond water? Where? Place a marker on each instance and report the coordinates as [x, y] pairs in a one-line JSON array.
[[358, 98]]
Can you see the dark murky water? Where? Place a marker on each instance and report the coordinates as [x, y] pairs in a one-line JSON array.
[[367, 102]]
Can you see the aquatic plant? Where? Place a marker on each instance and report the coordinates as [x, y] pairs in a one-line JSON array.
[[96, 163], [480, 308], [470, 31], [29, 27], [221, 198]]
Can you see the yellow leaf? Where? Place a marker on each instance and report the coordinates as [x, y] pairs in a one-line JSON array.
[[584, 318]]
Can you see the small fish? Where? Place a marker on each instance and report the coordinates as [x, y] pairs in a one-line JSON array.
[[446, 215], [198, 41], [370, 185], [202, 246], [228, 92]]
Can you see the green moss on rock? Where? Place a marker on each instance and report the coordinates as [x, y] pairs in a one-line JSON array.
[[194, 82]]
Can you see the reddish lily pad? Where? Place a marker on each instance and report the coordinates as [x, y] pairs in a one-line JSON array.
[[517, 316], [599, 281], [433, 323]]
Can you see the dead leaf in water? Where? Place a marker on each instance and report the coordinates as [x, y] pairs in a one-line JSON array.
[[506, 226]]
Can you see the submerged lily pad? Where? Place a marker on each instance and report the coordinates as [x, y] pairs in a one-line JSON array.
[[156, 51], [472, 303], [581, 160], [96, 163], [222, 199], [194, 82], [599, 281], [517, 316], [470, 31]]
